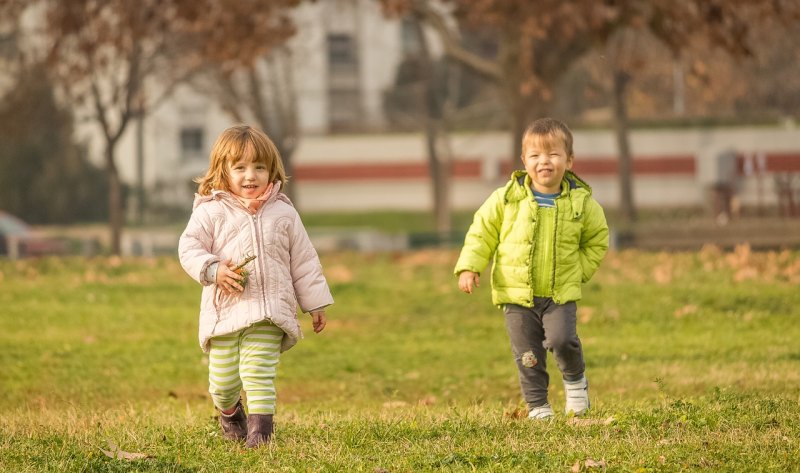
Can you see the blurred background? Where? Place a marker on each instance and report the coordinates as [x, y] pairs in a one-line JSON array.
[[397, 118]]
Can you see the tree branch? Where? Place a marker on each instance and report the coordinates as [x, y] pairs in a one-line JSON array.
[[453, 46], [257, 97]]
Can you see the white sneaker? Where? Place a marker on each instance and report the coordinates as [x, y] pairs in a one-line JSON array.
[[577, 394], [541, 412]]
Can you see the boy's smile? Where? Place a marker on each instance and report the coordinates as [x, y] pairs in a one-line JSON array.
[[546, 161]]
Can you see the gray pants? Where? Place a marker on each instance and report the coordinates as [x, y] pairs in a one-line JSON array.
[[546, 326]]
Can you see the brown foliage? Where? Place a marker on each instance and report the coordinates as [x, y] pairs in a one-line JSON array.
[[116, 59], [537, 42]]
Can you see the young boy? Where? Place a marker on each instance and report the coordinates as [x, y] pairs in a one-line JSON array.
[[547, 236]]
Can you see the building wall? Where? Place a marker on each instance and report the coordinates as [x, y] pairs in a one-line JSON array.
[[169, 167], [388, 171], [671, 167]]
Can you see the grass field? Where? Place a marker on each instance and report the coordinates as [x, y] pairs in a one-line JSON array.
[[693, 360]]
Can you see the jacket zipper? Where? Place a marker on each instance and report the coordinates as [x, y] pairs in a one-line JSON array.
[[555, 247], [532, 253], [261, 265]]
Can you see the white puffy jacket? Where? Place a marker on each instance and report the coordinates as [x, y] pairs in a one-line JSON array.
[[286, 271]]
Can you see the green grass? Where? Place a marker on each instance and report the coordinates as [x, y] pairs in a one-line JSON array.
[[692, 358]]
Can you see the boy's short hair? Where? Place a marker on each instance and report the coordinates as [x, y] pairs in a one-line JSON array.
[[549, 127]]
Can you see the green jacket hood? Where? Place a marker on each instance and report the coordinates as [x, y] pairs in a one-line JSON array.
[[572, 186], [520, 182]]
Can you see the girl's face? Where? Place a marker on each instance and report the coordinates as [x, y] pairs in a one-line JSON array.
[[546, 161], [247, 178]]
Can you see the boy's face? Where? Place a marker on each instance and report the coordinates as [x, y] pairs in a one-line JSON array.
[[546, 161]]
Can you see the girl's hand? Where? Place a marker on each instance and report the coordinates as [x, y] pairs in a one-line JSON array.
[[318, 320], [227, 280], [467, 281]]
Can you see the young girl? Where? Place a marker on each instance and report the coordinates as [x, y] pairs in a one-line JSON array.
[[248, 315]]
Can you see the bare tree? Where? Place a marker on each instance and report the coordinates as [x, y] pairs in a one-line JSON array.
[[12, 60], [106, 54], [619, 52], [430, 107], [538, 41], [436, 136], [534, 47], [262, 92], [678, 25]]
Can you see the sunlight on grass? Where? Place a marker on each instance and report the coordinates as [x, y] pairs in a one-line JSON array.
[[692, 360]]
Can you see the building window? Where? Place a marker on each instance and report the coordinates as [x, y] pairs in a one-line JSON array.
[[344, 103], [409, 40], [342, 50], [192, 142]]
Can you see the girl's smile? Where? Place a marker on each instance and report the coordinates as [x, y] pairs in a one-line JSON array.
[[248, 179], [250, 187]]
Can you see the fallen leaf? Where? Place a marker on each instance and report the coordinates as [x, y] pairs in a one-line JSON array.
[[583, 422], [746, 273], [118, 454], [685, 310], [394, 404], [515, 413], [662, 273], [412, 375], [427, 400], [589, 463]]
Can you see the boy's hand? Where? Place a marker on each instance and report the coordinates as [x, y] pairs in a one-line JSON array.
[[467, 281], [318, 320], [227, 280]]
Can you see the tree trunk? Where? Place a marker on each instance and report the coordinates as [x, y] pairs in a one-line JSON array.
[[140, 193], [622, 132], [440, 169], [274, 111], [439, 160], [288, 166], [519, 117], [115, 210]]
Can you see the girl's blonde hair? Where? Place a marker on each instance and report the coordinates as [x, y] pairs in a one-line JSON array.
[[240, 143]]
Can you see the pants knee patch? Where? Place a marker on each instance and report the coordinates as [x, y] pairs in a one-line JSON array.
[[529, 360]]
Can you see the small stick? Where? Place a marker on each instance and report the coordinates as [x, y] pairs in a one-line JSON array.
[[246, 260]]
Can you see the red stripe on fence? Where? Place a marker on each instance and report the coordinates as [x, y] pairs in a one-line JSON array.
[[683, 165]]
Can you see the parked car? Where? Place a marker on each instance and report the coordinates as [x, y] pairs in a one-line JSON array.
[[18, 239]]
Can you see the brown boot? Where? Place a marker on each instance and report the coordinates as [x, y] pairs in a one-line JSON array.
[[259, 429], [234, 426]]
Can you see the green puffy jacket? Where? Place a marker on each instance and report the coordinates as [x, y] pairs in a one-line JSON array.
[[504, 227]]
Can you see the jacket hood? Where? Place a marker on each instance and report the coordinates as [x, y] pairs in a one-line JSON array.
[[217, 194], [572, 186], [518, 187]]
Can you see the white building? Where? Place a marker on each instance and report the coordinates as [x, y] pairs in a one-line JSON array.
[[346, 55]]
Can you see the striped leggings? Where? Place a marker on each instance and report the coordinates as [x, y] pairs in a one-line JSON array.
[[245, 359]]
